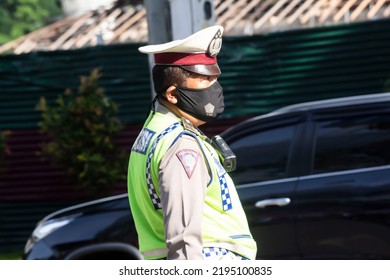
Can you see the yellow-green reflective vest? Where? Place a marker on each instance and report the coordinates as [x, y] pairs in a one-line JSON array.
[[224, 223]]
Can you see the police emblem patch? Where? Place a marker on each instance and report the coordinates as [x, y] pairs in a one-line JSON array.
[[209, 108], [188, 159]]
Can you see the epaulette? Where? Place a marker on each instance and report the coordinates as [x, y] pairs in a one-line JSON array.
[[188, 126]]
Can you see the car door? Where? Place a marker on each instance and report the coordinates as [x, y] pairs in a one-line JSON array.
[[342, 207], [267, 152]]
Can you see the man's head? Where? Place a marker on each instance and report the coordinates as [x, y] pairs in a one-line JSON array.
[[185, 74]]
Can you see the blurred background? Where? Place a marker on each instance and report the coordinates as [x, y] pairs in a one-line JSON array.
[[275, 53]]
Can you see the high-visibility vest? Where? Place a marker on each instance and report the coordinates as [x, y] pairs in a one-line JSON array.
[[224, 223]]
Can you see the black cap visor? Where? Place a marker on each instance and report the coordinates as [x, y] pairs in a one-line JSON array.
[[207, 70]]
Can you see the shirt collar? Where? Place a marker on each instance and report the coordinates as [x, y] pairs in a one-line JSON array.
[[159, 108]]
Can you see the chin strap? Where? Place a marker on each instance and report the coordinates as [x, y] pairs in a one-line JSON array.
[[152, 106]]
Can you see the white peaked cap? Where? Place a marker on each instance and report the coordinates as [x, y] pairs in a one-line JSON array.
[[196, 53]]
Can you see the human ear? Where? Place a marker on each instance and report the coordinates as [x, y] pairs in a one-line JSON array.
[[171, 95]]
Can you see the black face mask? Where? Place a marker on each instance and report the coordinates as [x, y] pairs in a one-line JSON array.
[[204, 104]]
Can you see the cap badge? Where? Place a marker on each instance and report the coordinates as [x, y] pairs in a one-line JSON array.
[[215, 44]]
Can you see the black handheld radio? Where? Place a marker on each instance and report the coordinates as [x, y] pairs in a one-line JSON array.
[[227, 156]]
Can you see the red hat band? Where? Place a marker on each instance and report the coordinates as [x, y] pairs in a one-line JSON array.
[[172, 58]]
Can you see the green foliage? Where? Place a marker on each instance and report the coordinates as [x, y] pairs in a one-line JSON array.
[[3, 148], [19, 17], [82, 128], [11, 255]]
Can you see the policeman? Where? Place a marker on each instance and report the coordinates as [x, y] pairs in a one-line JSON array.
[[184, 204]]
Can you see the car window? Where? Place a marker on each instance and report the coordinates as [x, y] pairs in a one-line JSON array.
[[263, 154], [352, 142]]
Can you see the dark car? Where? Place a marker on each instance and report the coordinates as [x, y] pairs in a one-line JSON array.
[[314, 180]]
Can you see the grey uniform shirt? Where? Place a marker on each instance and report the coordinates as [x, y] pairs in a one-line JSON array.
[[183, 178]]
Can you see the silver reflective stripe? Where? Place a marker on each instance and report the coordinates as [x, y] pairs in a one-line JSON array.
[[155, 253]]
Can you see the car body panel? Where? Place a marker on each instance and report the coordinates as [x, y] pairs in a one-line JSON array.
[[350, 217], [272, 223]]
